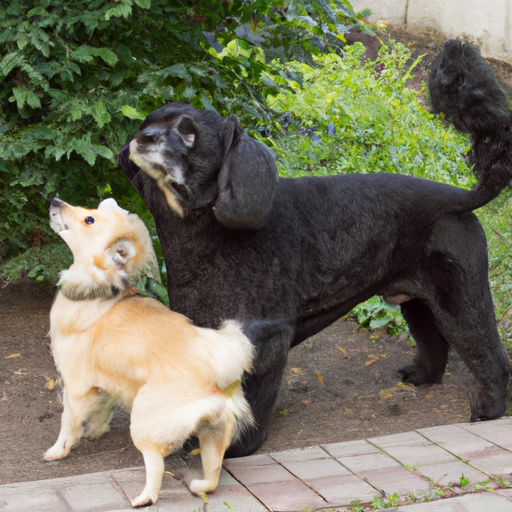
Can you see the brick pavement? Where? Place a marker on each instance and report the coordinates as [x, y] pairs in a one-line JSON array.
[[413, 467]]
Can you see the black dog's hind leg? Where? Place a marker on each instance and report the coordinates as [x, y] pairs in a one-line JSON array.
[[272, 342], [431, 348], [474, 335]]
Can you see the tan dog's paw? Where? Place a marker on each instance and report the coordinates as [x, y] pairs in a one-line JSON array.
[[143, 500], [200, 487], [56, 453]]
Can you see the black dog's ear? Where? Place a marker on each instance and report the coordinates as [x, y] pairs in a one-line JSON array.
[[187, 131], [247, 180]]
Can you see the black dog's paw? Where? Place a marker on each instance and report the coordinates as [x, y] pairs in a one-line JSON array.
[[415, 375]]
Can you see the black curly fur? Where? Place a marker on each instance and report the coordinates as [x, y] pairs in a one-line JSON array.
[[466, 90]]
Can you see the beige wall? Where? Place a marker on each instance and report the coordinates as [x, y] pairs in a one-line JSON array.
[[488, 21]]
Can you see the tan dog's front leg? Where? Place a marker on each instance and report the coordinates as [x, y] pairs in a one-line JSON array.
[[155, 466], [77, 410]]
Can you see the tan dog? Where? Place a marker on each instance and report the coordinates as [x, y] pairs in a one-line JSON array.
[[114, 346]]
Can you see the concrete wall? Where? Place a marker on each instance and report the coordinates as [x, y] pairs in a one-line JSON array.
[[487, 21]]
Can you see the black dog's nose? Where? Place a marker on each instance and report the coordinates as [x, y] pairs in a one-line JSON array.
[[56, 203]]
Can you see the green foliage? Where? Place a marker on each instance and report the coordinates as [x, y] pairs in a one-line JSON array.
[[355, 506], [77, 77], [364, 119], [39, 263], [375, 313], [463, 480], [392, 500], [495, 218]]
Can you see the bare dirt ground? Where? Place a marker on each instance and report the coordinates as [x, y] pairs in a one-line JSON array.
[[340, 385]]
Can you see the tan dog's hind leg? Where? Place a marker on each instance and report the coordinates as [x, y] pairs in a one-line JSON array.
[[213, 441], [154, 463], [77, 410], [99, 421]]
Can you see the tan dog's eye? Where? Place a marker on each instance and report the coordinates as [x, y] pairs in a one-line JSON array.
[[89, 220], [121, 251]]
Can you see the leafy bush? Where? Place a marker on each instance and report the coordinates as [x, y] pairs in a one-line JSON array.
[[364, 119]]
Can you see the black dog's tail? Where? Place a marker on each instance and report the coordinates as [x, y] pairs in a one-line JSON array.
[[466, 90]]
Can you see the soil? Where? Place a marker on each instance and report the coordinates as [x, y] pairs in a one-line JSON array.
[[340, 385]]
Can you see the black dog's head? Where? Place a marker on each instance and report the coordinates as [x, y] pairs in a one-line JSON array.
[[466, 89], [199, 159]]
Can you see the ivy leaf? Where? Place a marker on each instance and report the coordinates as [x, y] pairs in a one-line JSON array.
[[32, 100], [100, 113], [143, 4], [20, 96], [132, 113], [85, 53]]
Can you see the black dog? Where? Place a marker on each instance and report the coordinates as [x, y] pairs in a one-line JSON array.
[[290, 256]]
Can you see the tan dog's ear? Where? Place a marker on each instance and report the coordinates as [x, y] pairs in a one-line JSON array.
[[123, 251], [111, 204]]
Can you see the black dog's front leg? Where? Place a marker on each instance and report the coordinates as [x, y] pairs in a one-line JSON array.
[[271, 339]]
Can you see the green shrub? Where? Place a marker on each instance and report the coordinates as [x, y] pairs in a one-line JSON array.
[[364, 119]]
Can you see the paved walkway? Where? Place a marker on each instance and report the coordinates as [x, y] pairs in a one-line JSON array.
[[453, 468]]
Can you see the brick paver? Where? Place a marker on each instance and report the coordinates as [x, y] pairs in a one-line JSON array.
[[418, 453], [480, 453]]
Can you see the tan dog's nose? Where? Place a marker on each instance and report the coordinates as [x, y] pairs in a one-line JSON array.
[[56, 203]]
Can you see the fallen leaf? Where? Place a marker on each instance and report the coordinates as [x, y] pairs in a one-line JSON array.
[[371, 361], [343, 351], [320, 378], [51, 383], [284, 412], [373, 416], [385, 397], [305, 402], [437, 410], [193, 452], [298, 371], [12, 356]]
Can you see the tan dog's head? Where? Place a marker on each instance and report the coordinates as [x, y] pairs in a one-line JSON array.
[[110, 247]]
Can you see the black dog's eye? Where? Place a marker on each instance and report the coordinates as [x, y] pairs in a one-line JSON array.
[[89, 220]]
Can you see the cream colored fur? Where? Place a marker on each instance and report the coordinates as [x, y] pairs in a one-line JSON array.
[[113, 346]]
